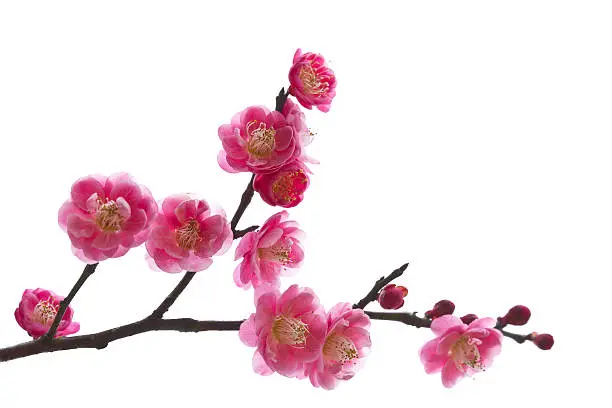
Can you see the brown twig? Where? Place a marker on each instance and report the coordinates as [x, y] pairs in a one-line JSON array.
[[372, 296], [87, 272]]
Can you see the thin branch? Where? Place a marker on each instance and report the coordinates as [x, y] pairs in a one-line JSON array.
[[171, 298], [102, 339], [372, 296], [87, 272], [241, 233], [281, 99], [247, 196]]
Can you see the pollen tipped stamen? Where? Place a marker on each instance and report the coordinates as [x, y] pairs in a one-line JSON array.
[[466, 355], [280, 253], [289, 186], [188, 236], [339, 349], [108, 217], [312, 82], [290, 331], [45, 312], [261, 139]]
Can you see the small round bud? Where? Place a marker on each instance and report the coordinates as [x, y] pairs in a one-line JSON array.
[[544, 341], [469, 318], [517, 316], [443, 307], [392, 297]]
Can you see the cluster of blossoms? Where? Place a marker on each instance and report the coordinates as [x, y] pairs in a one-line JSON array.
[[292, 333]]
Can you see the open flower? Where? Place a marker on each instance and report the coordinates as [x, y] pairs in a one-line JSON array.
[[186, 234], [346, 344], [268, 253], [288, 330], [284, 187], [106, 216], [459, 349], [258, 141], [312, 82], [37, 311]]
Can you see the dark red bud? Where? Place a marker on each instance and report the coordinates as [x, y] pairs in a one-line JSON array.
[[443, 307], [469, 318], [544, 341], [517, 316], [392, 297]]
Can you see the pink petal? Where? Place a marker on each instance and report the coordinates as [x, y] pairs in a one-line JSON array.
[[450, 374], [443, 323]]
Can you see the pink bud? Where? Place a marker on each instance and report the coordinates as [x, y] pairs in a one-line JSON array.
[[517, 316], [443, 307], [469, 318], [544, 341], [392, 297]]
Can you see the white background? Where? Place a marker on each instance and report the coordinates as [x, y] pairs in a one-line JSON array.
[[469, 138]]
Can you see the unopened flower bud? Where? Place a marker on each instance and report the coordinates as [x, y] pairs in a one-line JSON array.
[[443, 307], [392, 297], [516, 316], [544, 341], [469, 318]]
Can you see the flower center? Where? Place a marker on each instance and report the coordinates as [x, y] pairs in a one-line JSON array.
[[339, 349], [188, 236], [108, 217], [466, 355], [291, 331], [261, 139], [289, 186], [44, 312], [281, 252], [311, 81]]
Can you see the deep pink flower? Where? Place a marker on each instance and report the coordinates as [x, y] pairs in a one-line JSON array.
[[312, 82], [106, 216], [186, 234], [346, 344], [544, 341], [460, 350], [288, 330], [268, 253], [258, 141], [392, 296], [284, 187], [518, 315], [38, 309], [441, 308]]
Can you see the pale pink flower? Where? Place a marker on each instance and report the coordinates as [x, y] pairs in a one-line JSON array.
[[312, 82], [346, 344], [37, 311], [106, 216], [186, 234], [459, 349], [288, 330], [268, 253], [284, 187], [258, 141]]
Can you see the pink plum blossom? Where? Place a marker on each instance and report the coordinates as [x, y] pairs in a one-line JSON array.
[[459, 349], [186, 234], [37, 311], [259, 141], [287, 329], [284, 187], [268, 253], [106, 216], [312, 82], [392, 296], [346, 344]]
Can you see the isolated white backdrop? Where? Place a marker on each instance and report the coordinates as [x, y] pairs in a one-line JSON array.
[[468, 138]]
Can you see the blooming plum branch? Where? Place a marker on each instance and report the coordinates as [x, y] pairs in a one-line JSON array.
[[290, 331]]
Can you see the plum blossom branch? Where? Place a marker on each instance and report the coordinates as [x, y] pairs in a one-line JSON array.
[[87, 272], [171, 298], [102, 339], [247, 196]]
